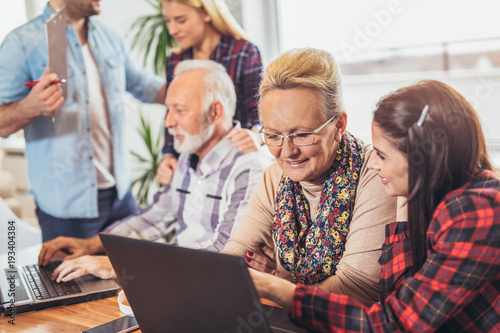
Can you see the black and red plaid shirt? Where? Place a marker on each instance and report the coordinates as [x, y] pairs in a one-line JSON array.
[[243, 63], [456, 290]]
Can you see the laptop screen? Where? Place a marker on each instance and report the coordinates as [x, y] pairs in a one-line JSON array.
[[174, 289]]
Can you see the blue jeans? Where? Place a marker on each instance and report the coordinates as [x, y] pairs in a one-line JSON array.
[[110, 210]]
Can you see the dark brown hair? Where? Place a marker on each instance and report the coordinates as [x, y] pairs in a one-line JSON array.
[[443, 154]]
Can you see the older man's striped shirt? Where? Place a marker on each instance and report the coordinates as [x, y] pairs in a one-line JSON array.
[[202, 204]]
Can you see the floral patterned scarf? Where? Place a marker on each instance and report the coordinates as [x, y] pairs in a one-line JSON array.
[[310, 251]]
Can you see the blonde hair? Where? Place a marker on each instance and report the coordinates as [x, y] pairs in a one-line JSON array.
[[220, 16], [306, 68]]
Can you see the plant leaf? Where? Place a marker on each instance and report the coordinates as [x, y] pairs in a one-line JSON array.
[[149, 163], [150, 34]]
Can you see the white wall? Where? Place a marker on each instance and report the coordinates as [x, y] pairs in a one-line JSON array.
[[481, 88], [354, 31], [259, 19], [334, 24], [12, 14]]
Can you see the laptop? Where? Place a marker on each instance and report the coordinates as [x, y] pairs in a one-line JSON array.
[[174, 289], [29, 287]]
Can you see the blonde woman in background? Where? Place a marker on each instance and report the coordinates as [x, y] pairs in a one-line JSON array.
[[205, 29]]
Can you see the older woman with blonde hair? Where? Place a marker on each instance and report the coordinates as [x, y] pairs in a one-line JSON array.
[[205, 29], [318, 215]]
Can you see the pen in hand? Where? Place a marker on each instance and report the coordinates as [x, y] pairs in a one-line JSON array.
[[33, 83]]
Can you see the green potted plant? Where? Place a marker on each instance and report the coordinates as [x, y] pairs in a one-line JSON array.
[[150, 35], [148, 161]]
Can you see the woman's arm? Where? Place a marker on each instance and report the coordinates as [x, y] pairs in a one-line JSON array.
[[457, 286], [256, 223], [358, 271], [255, 227]]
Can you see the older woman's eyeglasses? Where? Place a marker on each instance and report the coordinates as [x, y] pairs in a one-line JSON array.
[[296, 139]]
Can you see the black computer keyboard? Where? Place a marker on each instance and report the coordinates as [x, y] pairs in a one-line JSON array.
[[39, 279]]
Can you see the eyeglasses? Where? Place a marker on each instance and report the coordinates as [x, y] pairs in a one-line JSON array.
[[296, 139]]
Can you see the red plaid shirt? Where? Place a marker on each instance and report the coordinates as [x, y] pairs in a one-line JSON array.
[[456, 290], [242, 61]]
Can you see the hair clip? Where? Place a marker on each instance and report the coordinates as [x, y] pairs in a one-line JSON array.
[[422, 116]]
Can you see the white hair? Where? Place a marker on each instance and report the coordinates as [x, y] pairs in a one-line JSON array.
[[218, 85]]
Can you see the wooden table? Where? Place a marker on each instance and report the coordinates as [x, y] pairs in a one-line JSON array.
[[70, 318], [65, 318]]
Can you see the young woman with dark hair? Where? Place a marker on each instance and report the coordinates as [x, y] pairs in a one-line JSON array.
[[441, 269]]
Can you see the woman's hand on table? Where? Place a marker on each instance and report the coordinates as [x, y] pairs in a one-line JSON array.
[[273, 288]]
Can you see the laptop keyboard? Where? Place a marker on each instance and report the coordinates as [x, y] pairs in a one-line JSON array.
[[39, 278]]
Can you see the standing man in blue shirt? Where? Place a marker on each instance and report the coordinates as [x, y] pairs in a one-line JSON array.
[[78, 166]]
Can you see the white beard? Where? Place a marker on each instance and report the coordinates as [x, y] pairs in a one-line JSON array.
[[192, 143]]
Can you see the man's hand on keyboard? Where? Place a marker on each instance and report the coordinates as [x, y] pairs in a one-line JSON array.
[[74, 247], [99, 266]]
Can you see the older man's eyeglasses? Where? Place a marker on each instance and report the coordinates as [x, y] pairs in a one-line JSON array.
[[296, 139]]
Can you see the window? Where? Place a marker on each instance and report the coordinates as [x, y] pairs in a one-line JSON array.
[[382, 45], [385, 36]]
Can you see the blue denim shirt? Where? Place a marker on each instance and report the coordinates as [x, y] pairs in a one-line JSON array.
[[60, 158]]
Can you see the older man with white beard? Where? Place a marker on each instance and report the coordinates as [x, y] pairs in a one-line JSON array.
[[211, 183]]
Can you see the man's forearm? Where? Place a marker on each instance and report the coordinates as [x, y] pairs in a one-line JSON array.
[[44, 99], [153, 223], [13, 118], [94, 245]]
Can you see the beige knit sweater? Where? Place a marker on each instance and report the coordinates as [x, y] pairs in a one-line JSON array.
[[358, 271]]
